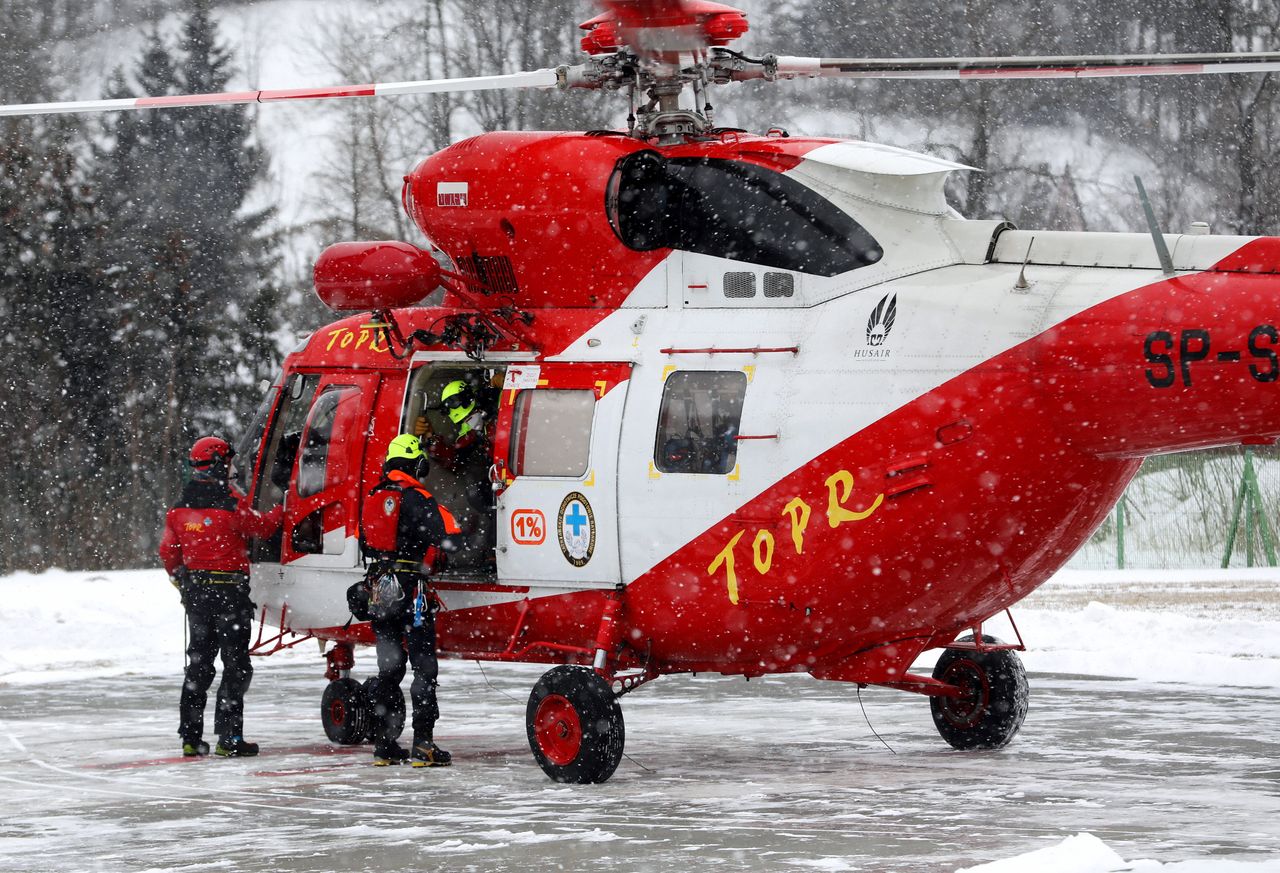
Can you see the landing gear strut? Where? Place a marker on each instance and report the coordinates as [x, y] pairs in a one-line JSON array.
[[575, 725], [993, 699]]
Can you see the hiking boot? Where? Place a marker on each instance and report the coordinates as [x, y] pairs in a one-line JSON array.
[[195, 749], [428, 754], [235, 747], [388, 755]]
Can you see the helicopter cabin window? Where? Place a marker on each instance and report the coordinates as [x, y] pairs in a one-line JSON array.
[[699, 421], [315, 455], [551, 433], [734, 210], [281, 450]]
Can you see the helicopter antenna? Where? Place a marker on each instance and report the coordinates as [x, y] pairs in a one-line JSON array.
[[1022, 284], [1162, 249]]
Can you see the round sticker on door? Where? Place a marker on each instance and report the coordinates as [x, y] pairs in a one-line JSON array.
[[577, 528]]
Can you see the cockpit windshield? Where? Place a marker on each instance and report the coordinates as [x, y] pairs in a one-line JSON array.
[[249, 442], [735, 210]]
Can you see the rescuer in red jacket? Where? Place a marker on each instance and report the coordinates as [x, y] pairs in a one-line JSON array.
[[205, 549], [401, 604]]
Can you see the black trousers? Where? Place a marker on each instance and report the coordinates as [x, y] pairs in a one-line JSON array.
[[218, 617], [399, 641]]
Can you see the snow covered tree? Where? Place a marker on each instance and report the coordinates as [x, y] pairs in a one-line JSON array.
[[53, 334], [187, 260]]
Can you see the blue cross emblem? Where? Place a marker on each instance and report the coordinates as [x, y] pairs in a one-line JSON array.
[[575, 519]]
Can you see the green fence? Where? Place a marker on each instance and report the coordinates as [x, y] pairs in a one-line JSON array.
[[1192, 510]]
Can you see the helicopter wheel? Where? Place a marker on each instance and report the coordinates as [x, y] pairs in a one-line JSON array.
[[378, 702], [575, 725], [344, 712], [993, 704]]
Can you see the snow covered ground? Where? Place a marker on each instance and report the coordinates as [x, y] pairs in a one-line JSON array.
[[1150, 746]]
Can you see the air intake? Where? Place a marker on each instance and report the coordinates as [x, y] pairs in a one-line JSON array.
[[779, 285], [739, 285], [495, 274]]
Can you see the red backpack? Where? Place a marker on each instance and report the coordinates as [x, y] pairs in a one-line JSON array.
[[379, 520]]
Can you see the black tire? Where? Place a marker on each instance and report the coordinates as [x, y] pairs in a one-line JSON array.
[[994, 704], [575, 726], [396, 700], [344, 712]]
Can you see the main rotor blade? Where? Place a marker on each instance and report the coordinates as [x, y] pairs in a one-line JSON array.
[[1067, 67], [535, 79]]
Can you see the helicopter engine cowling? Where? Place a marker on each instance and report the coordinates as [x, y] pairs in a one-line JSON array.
[[355, 276]]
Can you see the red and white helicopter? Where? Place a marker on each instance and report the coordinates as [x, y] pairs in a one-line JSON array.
[[762, 403]]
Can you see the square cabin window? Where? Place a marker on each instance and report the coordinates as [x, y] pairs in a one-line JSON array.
[[551, 433], [699, 422]]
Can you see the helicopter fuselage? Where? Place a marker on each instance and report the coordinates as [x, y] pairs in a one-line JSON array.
[[779, 408]]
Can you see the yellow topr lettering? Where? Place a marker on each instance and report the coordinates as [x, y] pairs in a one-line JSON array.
[[726, 558], [363, 338], [347, 338], [799, 512], [763, 557], [333, 338], [836, 512]]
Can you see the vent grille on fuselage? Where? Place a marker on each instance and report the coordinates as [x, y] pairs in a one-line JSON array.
[[740, 285], [494, 273], [779, 285]]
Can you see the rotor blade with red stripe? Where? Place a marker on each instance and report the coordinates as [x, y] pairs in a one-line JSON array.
[[548, 78], [1067, 67]]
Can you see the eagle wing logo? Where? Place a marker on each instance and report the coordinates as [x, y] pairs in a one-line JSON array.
[[881, 320]]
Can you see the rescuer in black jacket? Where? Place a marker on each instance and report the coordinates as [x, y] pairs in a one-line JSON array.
[[404, 620]]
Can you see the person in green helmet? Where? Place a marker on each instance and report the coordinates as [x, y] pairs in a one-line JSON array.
[[403, 618], [468, 454]]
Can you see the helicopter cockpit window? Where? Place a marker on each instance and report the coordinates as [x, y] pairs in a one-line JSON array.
[[282, 443], [315, 446], [699, 421], [735, 210], [551, 433], [251, 440]]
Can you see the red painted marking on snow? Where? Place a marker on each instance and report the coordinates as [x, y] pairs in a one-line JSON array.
[[151, 762], [317, 93], [198, 99], [307, 771]]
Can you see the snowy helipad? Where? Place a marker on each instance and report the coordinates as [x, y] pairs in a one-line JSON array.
[[780, 774]]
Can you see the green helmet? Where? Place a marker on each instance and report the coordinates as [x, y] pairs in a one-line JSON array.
[[457, 398], [405, 446]]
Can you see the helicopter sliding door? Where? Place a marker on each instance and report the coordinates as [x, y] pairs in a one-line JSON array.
[[322, 503], [557, 448]]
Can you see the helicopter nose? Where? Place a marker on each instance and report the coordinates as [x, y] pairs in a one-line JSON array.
[[1187, 362]]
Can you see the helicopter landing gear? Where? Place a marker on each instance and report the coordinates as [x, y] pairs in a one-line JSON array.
[[575, 725], [344, 712], [993, 699]]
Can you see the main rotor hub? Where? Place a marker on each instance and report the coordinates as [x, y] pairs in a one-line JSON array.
[[662, 82], [656, 50]]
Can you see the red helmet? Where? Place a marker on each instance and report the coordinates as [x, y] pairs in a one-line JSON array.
[[208, 450]]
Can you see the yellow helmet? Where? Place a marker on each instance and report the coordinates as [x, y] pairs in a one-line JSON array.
[[457, 398], [405, 446]]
